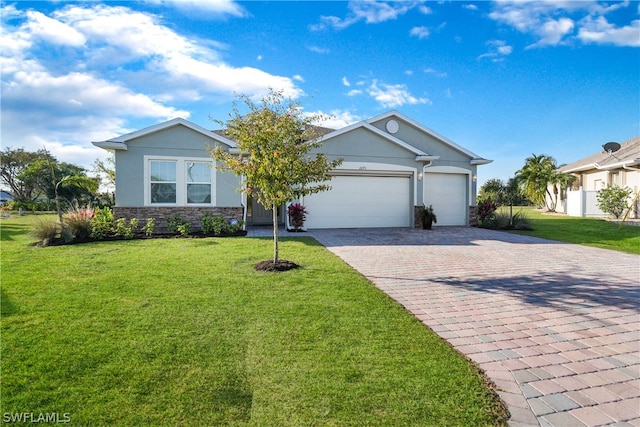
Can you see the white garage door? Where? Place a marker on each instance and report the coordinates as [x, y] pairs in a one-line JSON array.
[[447, 193], [360, 202]]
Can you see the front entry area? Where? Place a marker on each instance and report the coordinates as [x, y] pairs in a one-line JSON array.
[[361, 201], [259, 215]]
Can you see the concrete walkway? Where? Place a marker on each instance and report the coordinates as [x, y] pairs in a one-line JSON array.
[[555, 326]]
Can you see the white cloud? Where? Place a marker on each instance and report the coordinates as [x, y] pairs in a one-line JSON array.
[[553, 31], [435, 72], [371, 12], [65, 105], [555, 22], [420, 32], [600, 31], [354, 92], [298, 78], [337, 119], [390, 96], [320, 50], [470, 6], [498, 50], [53, 31], [345, 82], [212, 8]]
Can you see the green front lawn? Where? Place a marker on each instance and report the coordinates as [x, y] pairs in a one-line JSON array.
[[583, 231], [185, 332]]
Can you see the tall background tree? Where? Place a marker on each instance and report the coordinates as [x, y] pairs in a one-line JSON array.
[[13, 164], [40, 176], [275, 139], [537, 176]]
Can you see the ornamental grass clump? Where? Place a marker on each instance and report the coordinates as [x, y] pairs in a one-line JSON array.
[[78, 222]]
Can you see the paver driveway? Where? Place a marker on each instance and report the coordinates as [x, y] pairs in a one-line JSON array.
[[554, 325]]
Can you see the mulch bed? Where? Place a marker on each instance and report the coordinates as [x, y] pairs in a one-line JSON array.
[[280, 265]]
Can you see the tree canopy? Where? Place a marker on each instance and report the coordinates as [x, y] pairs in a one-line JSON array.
[[35, 175], [538, 174], [275, 139]]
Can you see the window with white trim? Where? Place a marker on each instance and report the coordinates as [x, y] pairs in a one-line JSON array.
[[178, 181], [198, 182], [163, 181]]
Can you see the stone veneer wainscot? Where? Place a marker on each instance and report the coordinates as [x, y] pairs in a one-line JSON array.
[[160, 214]]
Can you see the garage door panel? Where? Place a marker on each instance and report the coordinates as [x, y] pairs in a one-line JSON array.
[[447, 193], [359, 201]]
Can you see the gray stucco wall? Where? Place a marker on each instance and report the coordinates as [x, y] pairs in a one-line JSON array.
[[177, 141]]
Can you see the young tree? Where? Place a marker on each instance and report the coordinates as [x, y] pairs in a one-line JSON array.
[[275, 139]]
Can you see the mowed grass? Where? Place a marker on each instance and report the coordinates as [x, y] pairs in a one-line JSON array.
[[186, 332], [583, 231]]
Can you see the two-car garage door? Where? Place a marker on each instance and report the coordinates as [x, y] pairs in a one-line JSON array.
[[361, 201]]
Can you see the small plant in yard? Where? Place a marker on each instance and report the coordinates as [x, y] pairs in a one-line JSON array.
[[78, 221], [427, 217], [213, 224], [486, 210], [505, 221], [101, 223], [297, 215], [123, 229], [234, 226], [177, 225], [613, 200], [149, 227], [46, 231]]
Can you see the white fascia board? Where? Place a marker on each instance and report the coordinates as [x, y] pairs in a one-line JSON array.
[[480, 161], [110, 145], [170, 123], [425, 129], [368, 126], [618, 165]]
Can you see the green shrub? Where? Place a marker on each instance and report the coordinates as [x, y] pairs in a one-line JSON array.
[[177, 225], [102, 223], [46, 231], [149, 226], [234, 226], [122, 229], [184, 229], [504, 221], [613, 200], [213, 224], [14, 205]]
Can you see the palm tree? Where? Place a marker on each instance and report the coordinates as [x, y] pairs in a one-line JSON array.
[[538, 172]]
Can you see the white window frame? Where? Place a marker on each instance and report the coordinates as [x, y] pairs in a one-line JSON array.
[[181, 180]]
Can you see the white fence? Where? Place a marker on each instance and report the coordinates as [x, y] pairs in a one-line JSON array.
[[585, 204], [582, 203]]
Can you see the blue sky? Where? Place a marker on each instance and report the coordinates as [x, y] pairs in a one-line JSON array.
[[503, 79]]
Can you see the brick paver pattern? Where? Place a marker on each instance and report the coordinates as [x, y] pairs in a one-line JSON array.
[[555, 326]]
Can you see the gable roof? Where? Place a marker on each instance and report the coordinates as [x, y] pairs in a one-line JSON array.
[[366, 125], [475, 159], [120, 142], [627, 155]]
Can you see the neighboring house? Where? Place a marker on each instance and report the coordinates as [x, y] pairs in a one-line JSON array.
[[620, 168], [391, 166], [5, 196]]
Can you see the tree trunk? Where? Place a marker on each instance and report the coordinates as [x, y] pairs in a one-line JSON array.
[[275, 232], [55, 188]]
